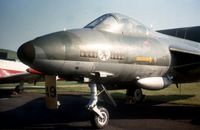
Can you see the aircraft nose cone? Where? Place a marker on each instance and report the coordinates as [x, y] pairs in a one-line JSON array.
[[26, 53]]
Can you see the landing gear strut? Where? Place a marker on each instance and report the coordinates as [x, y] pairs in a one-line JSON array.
[[100, 115]]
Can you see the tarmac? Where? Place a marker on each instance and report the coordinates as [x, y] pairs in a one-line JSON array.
[[28, 111]]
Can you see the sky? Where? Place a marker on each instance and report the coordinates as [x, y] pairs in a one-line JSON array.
[[24, 20]]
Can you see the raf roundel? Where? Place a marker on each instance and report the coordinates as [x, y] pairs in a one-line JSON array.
[[104, 54]]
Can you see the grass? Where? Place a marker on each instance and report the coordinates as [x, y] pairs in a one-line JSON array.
[[186, 94]]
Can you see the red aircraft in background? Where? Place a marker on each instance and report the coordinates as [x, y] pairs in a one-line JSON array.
[[17, 72]]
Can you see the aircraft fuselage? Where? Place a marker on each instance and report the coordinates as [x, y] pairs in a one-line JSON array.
[[81, 52]]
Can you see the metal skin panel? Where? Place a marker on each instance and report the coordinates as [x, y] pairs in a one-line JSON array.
[[125, 54]]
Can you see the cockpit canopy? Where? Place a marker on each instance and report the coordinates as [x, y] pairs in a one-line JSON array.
[[118, 23]]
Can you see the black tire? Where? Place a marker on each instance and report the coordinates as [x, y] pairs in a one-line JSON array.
[[18, 89], [138, 95], [97, 122]]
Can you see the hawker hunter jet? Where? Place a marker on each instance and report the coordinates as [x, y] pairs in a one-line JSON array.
[[112, 52]]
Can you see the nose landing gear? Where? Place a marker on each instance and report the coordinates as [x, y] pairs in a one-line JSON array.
[[100, 115]]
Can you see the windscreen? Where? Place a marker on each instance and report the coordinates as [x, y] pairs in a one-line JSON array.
[[106, 23], [118, 23]]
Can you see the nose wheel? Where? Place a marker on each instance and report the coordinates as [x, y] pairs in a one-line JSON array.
[[98, 121], [100, 115]]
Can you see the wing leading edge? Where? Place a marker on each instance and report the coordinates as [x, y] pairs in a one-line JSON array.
[[189, 33]]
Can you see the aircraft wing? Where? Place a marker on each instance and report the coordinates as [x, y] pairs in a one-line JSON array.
[[187, 60], [189, 33], [16, 78]]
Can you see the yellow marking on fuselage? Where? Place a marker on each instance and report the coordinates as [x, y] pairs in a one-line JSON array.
[[144, 59]]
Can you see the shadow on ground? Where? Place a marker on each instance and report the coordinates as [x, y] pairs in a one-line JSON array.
[[33, 114]]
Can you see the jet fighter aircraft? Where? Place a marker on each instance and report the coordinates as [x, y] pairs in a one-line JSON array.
[[112, 52]]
